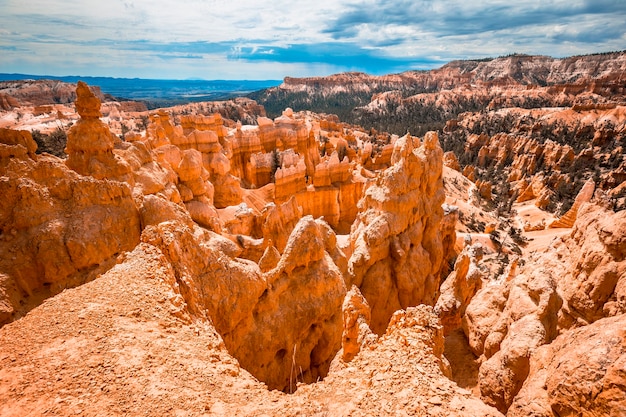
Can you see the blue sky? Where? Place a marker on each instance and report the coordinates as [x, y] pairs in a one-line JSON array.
[[252, 39]]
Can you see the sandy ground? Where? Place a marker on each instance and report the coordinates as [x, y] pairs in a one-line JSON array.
[[538, 240]]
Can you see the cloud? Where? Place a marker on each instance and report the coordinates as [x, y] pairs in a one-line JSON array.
[[179, 56], [347, 55], [459, 17], [257, 39]]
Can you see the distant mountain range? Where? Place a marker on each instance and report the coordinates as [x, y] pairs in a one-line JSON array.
[[161, 93]]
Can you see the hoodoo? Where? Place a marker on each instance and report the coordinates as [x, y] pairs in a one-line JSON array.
[[218, 259]]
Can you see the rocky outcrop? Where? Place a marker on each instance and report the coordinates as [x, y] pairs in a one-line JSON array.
[[17, 142], [505, 324], [305, 293], [150, 176], [460, 287], [578, 281], [90, 143], [595, 255], [356, 325], [412, 345], [396, 242], [562, 383], [583, 196], [194, 151], [451, 161], [279, 221], [284, 325], [58, 229]]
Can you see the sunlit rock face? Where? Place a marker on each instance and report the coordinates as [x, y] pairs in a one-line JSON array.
[[90, 143], [396, 240], [58, 228]]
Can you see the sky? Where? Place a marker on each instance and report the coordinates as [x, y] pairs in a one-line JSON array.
[[261, 40]]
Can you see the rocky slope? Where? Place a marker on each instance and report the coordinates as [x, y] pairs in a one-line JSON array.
[[512, 69], [551, 300], [39, 93], [414, 99], [545, 155], [272, 285], [301, 266], [527, 127]]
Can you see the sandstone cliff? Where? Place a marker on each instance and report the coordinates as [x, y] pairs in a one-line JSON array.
[[415, 100], [58, 228], [521, 69]]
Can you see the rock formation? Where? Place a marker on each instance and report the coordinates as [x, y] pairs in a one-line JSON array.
[[356, 325], [560, 383], [17, 141], [583, 196], [577, 282], [460, 287], [306, 256], [41, 92], [57, 228], [451, 161], [397, 249], [90, 143], [131, 326]]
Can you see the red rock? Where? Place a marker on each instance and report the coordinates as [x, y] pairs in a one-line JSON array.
[[61, 228], [459, 288], [561, 383], [397, 232], [90, 143], [19, 138], [356, 319]]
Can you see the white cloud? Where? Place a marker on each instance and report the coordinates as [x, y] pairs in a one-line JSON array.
[[141, 37]]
